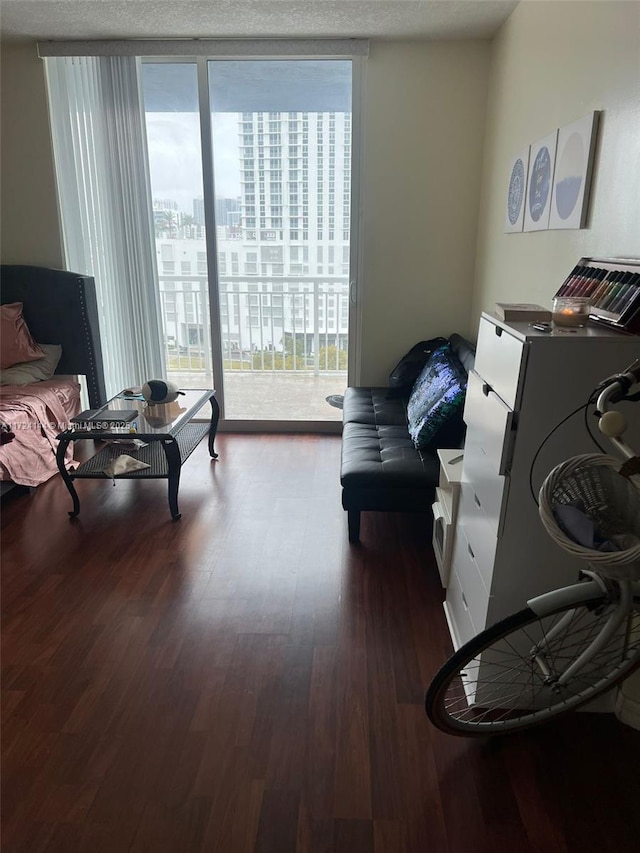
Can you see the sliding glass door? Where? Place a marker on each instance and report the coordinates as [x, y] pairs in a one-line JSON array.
[[252, 218], [172, 119], [282, 166]]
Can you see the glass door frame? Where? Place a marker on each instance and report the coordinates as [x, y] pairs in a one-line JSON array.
[[355, 266]]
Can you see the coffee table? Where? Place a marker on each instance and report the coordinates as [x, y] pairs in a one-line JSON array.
[[167, 428]]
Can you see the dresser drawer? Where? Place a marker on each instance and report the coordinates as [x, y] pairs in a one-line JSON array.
[[487, 449], [499, 360], [458, 613], [489, 420], [465, 568], [489, 487], [481, 534]]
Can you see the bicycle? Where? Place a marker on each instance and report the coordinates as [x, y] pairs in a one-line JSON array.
[[568, 646]]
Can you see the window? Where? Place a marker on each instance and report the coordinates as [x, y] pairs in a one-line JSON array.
[[272, 254], [268, 220]]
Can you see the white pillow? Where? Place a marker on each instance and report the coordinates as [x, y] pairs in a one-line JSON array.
[[33, 371]]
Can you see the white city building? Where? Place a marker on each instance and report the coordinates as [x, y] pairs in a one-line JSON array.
[[283, 270]]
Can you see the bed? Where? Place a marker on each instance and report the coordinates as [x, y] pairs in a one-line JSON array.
[[60, 310]]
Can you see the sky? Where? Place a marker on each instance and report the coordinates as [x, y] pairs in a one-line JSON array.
[[236, 86], [175, 157]]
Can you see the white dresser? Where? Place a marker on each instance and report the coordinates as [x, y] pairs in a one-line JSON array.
[[524, 383]]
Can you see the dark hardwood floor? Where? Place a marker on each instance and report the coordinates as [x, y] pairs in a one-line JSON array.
[[244, 680]]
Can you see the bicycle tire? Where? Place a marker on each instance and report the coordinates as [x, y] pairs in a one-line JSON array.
[[453, 685]]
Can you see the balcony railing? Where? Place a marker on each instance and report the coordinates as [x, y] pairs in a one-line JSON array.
[[288, 324]]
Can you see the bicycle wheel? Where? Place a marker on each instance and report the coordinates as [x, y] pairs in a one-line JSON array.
[[503, 680]]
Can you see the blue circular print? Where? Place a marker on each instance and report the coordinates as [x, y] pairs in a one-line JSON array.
[[540, 183], [516, 191]]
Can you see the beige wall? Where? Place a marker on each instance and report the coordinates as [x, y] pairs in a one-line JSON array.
[[423, 130], [553, 63], [424, 118], [30, 229]]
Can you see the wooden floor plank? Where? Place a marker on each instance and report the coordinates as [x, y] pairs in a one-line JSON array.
[[245, 680]]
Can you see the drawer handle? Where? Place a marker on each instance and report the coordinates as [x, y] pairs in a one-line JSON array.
[[464, 601], [477, 500], [486, 389], [473, 556], [498, 331]]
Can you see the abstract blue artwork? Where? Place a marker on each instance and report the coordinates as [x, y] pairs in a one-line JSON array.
[[541, 165], [574, 164], [516, 192]]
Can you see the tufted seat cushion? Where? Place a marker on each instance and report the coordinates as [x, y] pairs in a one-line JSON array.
[[385, 456], [382, 471], [371, 406]]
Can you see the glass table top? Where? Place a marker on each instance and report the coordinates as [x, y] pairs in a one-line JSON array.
[[153, 420]]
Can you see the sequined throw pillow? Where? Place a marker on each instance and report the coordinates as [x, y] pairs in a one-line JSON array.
[[437, 398]]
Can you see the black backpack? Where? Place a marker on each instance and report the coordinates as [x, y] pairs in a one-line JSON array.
[[407, 370]]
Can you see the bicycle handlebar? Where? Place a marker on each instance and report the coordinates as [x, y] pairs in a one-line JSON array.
[[613, 423], [624, 380], [634, 369]]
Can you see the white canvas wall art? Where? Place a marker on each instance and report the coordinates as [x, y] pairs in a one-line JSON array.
[[542, 158], [574, 165], [516, 192]]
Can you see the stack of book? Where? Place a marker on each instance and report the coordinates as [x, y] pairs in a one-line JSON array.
[[522, 312]]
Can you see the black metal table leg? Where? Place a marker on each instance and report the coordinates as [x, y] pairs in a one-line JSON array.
[[174, 464], [63, 443], [215, 417]]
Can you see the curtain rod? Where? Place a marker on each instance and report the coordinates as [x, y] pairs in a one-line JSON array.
[[228, 48]]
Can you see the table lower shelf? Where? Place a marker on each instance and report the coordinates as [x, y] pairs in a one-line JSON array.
[[153, 454]]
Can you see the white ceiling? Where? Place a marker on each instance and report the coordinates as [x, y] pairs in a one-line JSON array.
[[126, 19]]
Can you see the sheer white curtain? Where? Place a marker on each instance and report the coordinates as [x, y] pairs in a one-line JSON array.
[[105, 202]]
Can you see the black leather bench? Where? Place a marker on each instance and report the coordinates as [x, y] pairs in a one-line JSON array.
[[381, 470]]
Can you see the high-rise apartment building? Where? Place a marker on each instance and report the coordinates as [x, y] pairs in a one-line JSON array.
[[283, 247], [295, 171], [198, 211], [165, 204]]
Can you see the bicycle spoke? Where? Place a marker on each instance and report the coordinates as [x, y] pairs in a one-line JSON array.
[[514, 678]]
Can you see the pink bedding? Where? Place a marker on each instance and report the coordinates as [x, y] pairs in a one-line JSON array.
[[36, 413]]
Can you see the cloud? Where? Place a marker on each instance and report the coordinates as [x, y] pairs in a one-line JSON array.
[[175, 157]]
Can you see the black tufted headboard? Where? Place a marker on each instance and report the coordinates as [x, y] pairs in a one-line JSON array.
[[60, 308]]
